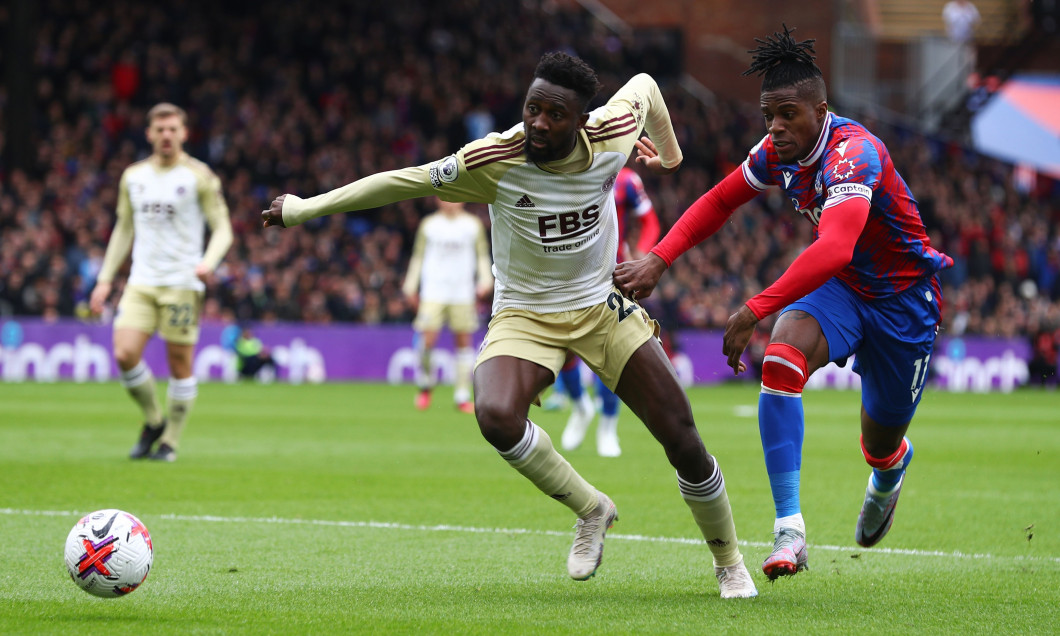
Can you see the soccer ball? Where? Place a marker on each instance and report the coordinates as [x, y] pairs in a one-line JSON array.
[[109, 553]]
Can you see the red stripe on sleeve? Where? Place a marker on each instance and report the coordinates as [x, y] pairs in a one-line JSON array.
[[839, 229], [705, 216]]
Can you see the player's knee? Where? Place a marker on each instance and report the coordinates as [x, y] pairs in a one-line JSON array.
[[885, 454], [676, 431], [126, 357], [499, 422], [690, 458], [784, 369]]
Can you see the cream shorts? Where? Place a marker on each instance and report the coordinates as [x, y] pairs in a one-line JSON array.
[[432, 316], [172, 312], [604, 336]]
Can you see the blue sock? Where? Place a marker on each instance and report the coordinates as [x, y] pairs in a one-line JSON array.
[[780, 423], [572, 381], [608, 399], [886, 480], [558, 386]]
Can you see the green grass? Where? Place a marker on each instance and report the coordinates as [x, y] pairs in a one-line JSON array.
[[341, 509]]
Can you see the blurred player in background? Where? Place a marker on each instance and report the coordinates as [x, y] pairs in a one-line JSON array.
[[448, 272], [867, 285], [164, 203], [254, 360], [631, 202], [549, 182]]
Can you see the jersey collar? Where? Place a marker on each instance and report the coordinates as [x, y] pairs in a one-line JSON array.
[[822, 141], [156, 162]]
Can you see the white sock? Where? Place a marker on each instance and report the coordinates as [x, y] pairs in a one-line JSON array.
[[586, 405], [424, 375], [140, 383], [181, 394], [791, 521], [536, 459], [608, 425]]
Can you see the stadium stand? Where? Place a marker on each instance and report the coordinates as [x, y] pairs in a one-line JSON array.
[[291, 100]]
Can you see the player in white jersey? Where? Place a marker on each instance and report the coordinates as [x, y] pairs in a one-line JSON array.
[[549, 183], [451, 253], [164, 203]]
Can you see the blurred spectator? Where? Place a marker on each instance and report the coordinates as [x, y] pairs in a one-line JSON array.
[[253, 359], [1042, 366], [962, 18]]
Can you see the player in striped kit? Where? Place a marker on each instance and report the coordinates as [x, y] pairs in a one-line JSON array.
[[867, 285], [549, 184], [449, 270], [164, 204]]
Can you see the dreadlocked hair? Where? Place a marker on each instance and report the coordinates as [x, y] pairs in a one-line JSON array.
[[783, 62], [570, 72]]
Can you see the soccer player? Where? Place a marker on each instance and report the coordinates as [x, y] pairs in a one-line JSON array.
[[451, 252], [549, 182], [631, 201], [583, 407], [867, 285], [163, 202]]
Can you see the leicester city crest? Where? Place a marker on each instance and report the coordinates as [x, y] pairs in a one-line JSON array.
[[610, 183]]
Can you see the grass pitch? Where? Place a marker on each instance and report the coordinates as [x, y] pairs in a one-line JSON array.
[[341, 509]]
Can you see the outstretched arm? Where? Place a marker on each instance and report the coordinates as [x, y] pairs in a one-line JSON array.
[[700, 220], [838, 231], [370, 192]]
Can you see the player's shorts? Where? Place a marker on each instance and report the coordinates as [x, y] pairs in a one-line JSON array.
[[172, 312], [605, 336], [432, 316], [891, 337]]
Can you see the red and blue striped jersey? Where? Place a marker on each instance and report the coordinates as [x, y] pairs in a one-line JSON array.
[[631, 202], [893, 252]]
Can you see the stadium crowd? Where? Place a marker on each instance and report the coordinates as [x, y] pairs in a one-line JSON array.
[[288, 100]]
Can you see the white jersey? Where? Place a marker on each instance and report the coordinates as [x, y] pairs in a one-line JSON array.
[[448, 252], [560, 238], [169, 220], [554, 226]]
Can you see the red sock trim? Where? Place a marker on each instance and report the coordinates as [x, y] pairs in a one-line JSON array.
[[887, 462], [784, 368]]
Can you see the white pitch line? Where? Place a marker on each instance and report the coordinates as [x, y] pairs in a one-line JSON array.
[[387, 525]]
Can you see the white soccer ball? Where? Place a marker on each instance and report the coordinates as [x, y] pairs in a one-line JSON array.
[[109, 553]]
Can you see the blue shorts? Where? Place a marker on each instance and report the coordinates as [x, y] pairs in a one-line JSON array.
[[891, 337]]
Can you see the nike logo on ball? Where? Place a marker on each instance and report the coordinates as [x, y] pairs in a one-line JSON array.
[[102, 532]]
